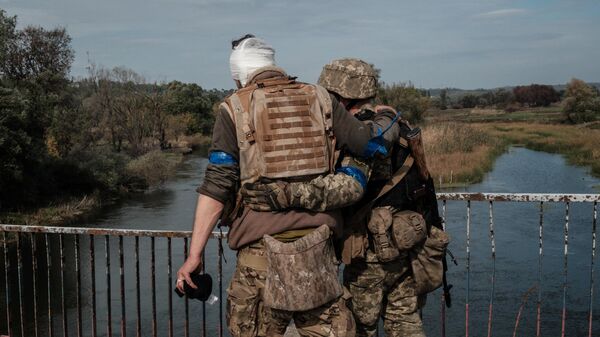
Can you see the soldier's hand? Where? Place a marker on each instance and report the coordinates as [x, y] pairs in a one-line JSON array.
[[191, 265], [380, 108], [266, 197]]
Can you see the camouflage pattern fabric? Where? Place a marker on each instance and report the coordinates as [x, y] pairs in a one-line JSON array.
[[333, 319], [384, 290], [248, 317], [329, 192], [320, 194], [303, 274], [349, 78]]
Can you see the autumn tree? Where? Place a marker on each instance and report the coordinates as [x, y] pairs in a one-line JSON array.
[[536, 95], [190, 98], [406, 99], [581, 103]]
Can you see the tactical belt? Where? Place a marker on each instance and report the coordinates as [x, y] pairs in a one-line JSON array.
[[253, 256]]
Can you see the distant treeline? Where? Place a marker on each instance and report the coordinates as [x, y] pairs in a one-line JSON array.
[[62, 138], [580, 101]]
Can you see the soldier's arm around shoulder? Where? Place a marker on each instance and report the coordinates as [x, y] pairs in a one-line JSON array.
[[336, 190]]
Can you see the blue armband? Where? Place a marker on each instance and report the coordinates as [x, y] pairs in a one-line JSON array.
[[221, 158], [354, 173]]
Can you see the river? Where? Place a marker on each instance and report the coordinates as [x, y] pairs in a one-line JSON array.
[[517, 247], [171, 206]]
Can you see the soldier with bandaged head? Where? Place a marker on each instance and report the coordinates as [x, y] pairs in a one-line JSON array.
[[277, 130]]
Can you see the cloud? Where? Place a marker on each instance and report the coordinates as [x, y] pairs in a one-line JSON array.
[[501, 13]]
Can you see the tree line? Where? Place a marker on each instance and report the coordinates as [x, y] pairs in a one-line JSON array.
[[63, 137], [580, 101]]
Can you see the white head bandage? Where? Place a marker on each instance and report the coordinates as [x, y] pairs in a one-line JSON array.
[[248, 56]]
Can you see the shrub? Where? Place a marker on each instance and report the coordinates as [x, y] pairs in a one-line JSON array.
[[582, 103], [107, 167], [152, 168], [405, 98]]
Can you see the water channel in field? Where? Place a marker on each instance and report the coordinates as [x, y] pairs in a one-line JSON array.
[[171, 207]]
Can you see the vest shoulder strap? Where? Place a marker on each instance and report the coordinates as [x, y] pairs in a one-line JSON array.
[[239, 102], [327, 108], [395, 180]]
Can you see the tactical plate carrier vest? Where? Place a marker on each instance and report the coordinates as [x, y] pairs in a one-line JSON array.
[[283, 129]]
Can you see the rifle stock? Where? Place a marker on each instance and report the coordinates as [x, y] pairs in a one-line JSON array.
[[415, 143]]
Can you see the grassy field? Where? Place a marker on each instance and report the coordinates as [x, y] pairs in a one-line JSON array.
[[551, 114], [462, 145]]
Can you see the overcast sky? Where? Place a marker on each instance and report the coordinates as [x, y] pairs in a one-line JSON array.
[[444, 43]]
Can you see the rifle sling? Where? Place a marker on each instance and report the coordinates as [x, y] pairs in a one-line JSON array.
[[396, 178]]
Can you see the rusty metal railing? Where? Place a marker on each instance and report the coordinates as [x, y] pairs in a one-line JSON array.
[[541, 199], [58, 281], [27, 316]]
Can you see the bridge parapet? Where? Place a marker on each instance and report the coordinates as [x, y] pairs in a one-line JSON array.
[[73, 281]]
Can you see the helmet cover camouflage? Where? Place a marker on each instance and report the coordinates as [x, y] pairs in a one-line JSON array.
[[349, 78]]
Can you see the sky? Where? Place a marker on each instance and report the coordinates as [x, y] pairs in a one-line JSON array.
[[432, 43]]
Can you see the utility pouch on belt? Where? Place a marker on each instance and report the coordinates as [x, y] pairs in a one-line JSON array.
[[354, 245], [409, 229], [427, 261], [303, 274], [379, 226]]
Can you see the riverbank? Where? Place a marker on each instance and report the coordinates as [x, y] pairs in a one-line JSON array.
[[143, 173], [462, 145]]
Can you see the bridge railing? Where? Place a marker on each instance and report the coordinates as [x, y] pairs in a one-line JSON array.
[[69, 281]]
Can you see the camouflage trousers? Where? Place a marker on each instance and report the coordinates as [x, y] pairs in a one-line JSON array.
[[384, 290], [248, 317]]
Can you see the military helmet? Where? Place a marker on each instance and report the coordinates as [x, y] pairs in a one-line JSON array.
[[349, 78]]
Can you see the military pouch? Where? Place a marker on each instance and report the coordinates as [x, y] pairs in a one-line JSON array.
[[354, 246], [409, 229], [380, 227], [427, 261], [303, 274]]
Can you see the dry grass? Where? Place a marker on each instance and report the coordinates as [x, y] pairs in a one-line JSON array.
[[58, 213], [459, 154], [196, 141]]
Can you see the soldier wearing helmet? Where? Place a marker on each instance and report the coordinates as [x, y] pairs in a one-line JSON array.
[[385, 225]]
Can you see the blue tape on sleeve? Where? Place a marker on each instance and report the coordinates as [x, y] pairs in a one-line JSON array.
[[374, 146], [221, 158], [354, 173]]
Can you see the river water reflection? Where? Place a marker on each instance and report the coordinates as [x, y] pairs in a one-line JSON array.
[[171, 207], [517, 247]]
